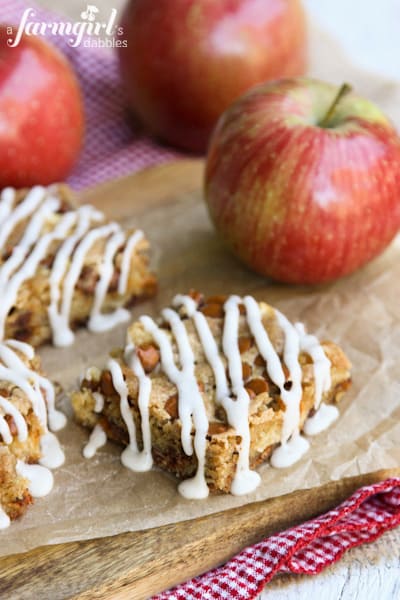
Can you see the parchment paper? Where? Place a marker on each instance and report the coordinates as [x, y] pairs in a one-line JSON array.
[[99, 497]]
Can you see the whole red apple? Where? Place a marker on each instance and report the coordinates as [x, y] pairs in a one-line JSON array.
[[303, 183], [41, 113], [187, 60]]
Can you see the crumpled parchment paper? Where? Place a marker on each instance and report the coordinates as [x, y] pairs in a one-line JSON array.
[[99, 497]]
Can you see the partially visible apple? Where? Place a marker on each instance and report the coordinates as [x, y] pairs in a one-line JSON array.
[[303, 180], [41, 113], [186, 61]]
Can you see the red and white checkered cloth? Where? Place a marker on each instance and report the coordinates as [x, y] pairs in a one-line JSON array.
[[306, 549], [113, 149], [113, 146]]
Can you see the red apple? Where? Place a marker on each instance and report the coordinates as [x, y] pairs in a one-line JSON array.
[[303, 183], [187, 60], [41, 113]]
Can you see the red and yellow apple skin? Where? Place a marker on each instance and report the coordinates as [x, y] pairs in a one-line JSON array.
[[186, 61], [41, 113], [298, 202]]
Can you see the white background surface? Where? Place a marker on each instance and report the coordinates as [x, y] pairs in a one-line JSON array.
[[369, 32]]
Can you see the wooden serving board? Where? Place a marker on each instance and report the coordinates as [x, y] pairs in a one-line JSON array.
[[137, 565]]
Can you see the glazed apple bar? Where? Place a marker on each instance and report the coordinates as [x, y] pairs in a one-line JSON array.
[[62, 266], [212, 389], [28, 449]]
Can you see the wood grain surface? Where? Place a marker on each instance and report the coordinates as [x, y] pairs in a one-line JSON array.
[[137, 565]]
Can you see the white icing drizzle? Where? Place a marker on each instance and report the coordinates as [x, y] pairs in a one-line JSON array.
[[40, 393], [75, 234], [97, 321], [321, 363], [143, 459], [40, 479], [245, 480], [16, 376], [325, 414], [4, 427], [99, 402], [25, 257], [232, 396], [288, 453], [14, 370], [321, 420], [126, 259], [97, 439], [30, 236], [26, 208], [65, 336], [52, 455], [208, 342], [284, 454], [191, 408], [264, 344], [85, 215], [57, 420], [131, 457], [21, 372], [292, 397], [9, 409], [22, 347]]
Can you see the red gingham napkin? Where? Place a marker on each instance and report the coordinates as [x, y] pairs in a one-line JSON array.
[[306, 549], [113, 149], [113, 146]]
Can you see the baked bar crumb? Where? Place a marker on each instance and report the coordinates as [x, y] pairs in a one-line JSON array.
[[27, 448], [213, 389], [63, 266]]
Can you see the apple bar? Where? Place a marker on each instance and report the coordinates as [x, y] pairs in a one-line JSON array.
[[28, 449], [63, 266], [210, 390]]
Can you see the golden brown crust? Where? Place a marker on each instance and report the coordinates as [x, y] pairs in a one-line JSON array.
[[266, 406], [14, 495]]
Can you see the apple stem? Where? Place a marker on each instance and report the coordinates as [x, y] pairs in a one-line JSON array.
[[344, 89]]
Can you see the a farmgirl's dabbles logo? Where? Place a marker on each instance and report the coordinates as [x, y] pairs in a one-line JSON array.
[[89, 31]]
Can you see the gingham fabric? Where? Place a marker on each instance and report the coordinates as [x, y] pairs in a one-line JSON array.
[[113, 146], [306, 549]]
